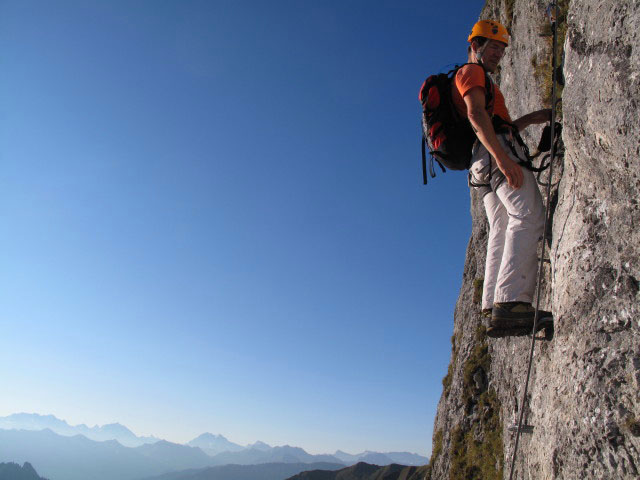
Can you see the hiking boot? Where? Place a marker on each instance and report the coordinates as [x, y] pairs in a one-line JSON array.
[[516, 319], [514, 314]]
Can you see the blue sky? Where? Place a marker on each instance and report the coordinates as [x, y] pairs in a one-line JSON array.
[[213, 218]]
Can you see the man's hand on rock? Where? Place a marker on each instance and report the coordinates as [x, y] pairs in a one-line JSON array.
[[540, 116]]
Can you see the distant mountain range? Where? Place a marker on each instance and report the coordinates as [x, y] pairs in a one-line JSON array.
[[265, 471], [215, 444], [113, 431], [284, 454], [60, 450], [375, 458], [13, 471], [78, 458], [364, 471]]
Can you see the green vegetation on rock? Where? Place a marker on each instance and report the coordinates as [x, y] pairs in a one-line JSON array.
[[420, 473], [543, 68], [508, 12], [478, 284], [436, 450], [477, 451], [437, 446], [446, 381], [478, 361], [632, 424]]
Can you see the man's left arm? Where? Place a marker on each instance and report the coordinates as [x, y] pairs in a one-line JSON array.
[[539, 116]]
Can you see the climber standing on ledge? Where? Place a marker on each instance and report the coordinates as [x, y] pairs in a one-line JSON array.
[[510, 194]]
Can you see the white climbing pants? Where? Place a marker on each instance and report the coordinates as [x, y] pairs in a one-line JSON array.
[[516, 223]]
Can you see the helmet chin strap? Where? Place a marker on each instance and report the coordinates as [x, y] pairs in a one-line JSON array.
[[480, 52]]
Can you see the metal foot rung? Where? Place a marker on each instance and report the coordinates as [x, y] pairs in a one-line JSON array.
[[524, 429]]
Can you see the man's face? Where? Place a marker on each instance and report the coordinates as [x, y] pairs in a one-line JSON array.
[[492, 54]]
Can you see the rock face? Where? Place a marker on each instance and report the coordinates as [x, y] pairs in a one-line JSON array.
[[584, 394]]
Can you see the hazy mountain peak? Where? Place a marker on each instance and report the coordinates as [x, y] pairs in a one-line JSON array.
[[258, 445], [214, 444], [210, 436], [13, 470], [28, 468], [23, 417], [164, 443], [289, 448], [368, 456], [115, 428], [26, 414], [112, 431]]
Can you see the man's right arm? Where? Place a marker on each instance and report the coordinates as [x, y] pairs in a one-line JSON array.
[[481, 123]]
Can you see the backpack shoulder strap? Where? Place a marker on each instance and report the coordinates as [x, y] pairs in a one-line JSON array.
[[489, 95], [488, 83]]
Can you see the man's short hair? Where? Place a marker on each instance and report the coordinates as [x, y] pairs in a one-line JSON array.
[[481, 40]]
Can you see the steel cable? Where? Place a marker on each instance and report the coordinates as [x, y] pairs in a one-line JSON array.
[[553, 13]]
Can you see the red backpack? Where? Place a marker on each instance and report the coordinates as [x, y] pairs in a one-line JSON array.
[[449, 136]]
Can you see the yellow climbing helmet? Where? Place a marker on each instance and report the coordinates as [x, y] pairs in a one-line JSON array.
[[491, 30]]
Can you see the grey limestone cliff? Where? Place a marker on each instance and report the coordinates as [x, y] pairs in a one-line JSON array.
[[584, 395]]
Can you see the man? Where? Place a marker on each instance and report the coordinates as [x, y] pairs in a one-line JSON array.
[[510, 194]]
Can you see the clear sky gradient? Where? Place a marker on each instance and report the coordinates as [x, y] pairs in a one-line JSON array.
[[213, 218]]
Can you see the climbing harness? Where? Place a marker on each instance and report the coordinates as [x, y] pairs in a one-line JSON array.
[[502, 126], [545, 146], [513, 138], [552, 12]]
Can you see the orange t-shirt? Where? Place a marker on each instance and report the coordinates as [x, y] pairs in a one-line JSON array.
[[471, 76]]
